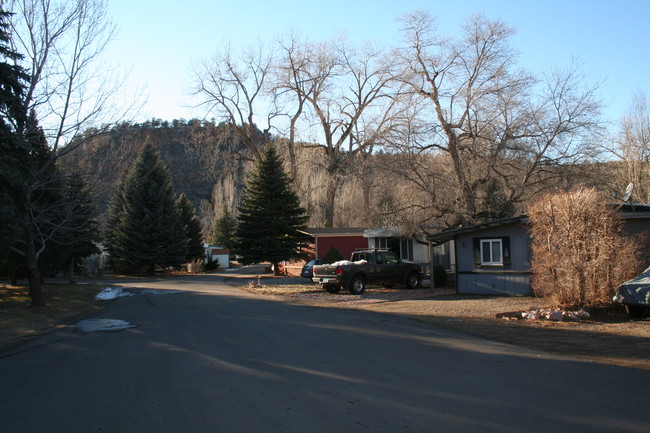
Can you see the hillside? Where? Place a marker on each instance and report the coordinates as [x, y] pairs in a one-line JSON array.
[[208, 163], [103, 159]]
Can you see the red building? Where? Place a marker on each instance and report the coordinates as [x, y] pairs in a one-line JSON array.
[[345, 240]]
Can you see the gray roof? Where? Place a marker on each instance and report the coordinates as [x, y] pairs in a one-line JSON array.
[[452, 233]]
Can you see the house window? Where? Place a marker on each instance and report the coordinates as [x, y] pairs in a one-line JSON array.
[[406, 249], [491, 252]]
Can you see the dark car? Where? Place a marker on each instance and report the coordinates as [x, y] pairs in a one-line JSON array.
[[635, 294], [309, 266]]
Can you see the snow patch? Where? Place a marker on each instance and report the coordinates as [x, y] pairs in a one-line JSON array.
[[110, 293], [347, 262], [103, 325]]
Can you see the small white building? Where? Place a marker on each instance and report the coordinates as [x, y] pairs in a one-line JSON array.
[[217, 253]]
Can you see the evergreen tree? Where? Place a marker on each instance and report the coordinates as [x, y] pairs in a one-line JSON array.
[[271, 221], [223, 231], [14, 150], [144, 229], [79, 235], [191, 228]]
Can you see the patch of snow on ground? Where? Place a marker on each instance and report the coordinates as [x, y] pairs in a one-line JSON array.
[[110, 293], [104, 325]]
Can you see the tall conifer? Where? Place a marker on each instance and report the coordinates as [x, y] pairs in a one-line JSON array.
[[144, 228], [14, 150], [223, 231], [271, 221], [191, 228]]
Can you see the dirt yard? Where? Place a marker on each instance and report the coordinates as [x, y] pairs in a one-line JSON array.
[[607, 336]]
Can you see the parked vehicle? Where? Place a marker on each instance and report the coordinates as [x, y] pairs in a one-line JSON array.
[[307, 270], [367, 267], [635, 295]]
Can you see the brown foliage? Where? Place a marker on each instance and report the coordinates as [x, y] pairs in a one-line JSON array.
[[579, 253]]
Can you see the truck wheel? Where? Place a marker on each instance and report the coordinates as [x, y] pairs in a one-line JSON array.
[[412, 280], [357, 285], [332, 289], [635, 311]]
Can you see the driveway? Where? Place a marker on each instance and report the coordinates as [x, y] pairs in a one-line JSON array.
[[203, 356]]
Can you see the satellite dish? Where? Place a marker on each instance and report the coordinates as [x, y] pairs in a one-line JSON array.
[[628, 192]]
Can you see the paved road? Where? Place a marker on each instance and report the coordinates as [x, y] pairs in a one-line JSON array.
[[214, 359]]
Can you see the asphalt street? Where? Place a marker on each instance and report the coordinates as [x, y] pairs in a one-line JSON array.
[[203, 356]]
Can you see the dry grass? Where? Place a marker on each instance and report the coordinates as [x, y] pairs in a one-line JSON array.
[[64, 303]]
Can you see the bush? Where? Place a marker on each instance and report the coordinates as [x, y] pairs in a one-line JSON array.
[[579, 252], [196, 266], [211, 265], [333, 255]]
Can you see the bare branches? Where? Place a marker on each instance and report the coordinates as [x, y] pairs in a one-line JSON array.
[[70, 86], [632, 146], [234, 87], [494, 121]]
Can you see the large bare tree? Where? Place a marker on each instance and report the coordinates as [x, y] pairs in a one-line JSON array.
[[502, 128], [341, 88], [234, 87], [633, 148], [70, 90]]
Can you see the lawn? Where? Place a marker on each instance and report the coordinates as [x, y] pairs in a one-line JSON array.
[[64, 304]]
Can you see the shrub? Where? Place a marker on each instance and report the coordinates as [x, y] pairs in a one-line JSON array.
[[333, 255], [579, 253], [211, 265], [196, 266]]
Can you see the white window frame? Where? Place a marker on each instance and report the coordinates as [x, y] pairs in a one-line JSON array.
[[492, 261]]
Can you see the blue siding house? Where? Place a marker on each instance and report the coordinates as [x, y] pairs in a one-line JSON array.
[[494, 258], [491, 258]]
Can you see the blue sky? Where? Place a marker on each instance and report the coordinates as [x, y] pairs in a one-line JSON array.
[[159, 40]]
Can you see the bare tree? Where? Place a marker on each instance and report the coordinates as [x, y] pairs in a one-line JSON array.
[[338, 86], [70, 90], [633, 147], [495, 122], [290, 91], [71, 87], [234, 88]]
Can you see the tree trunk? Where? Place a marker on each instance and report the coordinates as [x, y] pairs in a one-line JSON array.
[[469, 199], [33, 274], [70, 271], [330, 200]]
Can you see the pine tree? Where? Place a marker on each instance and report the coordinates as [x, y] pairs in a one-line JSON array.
[[79, 234], [14, 150], [191, 228], [144, 229], [271, 221], [223, 231]]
